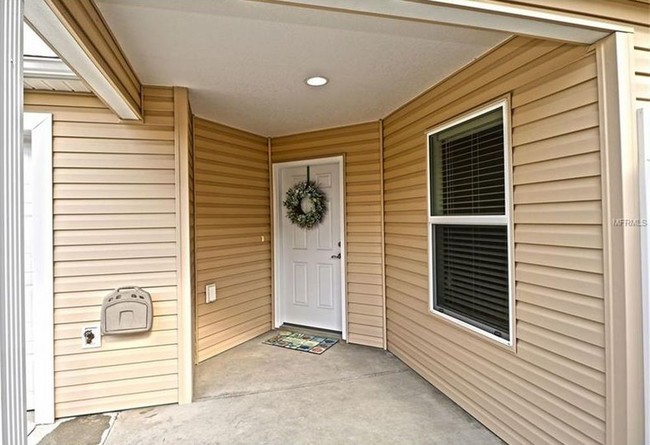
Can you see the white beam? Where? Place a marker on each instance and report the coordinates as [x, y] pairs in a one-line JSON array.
[[46, 23], [12, 317], [46, 68], [474, 14]]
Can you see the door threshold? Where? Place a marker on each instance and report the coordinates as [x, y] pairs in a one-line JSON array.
[[310, 329]]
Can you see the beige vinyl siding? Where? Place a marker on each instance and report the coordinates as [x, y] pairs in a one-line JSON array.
[[552, 390], [360, 146], [87, 26], [642, 64], [629, 12], [232, 202], [114, 225]]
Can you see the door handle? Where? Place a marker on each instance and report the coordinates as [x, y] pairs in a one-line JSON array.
[[336, 256]]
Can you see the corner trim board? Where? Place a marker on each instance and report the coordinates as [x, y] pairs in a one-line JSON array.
[[383, 232], [183, 246], [269, 148], [621, 245]]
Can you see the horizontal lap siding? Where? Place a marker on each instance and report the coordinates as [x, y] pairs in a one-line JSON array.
[[232, 207], [552, 390], [360, 146], [114, 225], [642, 65]]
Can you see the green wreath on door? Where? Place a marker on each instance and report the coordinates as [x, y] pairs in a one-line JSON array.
[[306, 204]]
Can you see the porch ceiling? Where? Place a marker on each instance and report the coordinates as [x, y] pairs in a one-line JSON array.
[[245, 62]]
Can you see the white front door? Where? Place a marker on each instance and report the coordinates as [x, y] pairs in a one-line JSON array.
[[310, 259]]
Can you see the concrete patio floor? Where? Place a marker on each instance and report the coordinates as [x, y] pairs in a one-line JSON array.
[[261, 394]]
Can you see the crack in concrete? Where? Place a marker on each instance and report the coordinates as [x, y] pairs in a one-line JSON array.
[[232, 395], [108, 431]]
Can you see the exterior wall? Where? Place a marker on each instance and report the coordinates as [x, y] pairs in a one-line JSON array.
[[552, 389], [635, 13], [232, 213], [360, 146], [114, 225]]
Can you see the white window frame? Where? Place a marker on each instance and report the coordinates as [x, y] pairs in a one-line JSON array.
[[478, 220]]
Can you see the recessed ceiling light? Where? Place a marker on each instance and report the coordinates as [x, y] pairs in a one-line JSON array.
[[316, 81]]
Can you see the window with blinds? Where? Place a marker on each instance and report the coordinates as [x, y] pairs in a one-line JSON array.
[[469, 229]]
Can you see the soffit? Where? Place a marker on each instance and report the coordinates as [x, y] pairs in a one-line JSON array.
[[245, 62]]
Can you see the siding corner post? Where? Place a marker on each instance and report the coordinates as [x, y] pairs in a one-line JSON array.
[[621, 243], [269, 150], [12, 316], [382, 206], [183, 248]]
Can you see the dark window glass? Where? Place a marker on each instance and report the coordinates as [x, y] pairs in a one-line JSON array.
[[471, 275], [467, 168]]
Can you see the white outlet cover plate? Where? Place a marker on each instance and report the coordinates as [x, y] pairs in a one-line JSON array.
[[210, 293], [97, 339]]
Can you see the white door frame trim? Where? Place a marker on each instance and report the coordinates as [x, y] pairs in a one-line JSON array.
[[40, 125], [277, 230]]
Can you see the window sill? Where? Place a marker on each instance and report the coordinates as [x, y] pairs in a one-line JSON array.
[[466, 328]]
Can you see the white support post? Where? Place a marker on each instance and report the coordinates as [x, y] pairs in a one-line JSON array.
[[12, 319]]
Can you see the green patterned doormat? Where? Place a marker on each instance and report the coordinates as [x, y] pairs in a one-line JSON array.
[[315, 344]]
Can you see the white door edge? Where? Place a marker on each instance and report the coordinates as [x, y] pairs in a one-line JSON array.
[[40, 125], [277, 251]]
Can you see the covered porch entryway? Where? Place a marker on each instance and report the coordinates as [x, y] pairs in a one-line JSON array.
[[171, 188]]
